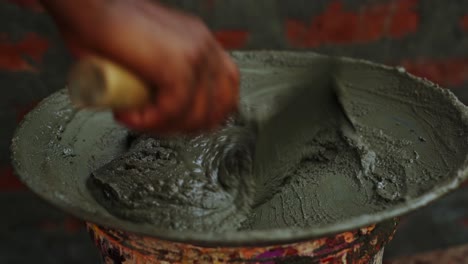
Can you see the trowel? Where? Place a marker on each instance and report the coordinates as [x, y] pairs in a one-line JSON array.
[[308, 102]]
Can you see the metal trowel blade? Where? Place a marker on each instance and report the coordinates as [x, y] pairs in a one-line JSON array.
[[312, 101]]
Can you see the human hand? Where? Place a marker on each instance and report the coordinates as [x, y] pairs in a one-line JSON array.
[[195, 84]]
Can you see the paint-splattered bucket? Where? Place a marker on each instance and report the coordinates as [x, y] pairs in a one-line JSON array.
[[365, 245]]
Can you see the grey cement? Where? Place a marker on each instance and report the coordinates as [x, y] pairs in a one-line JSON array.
[[408, 147], [180, 183]]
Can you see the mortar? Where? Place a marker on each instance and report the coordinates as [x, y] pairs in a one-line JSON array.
[[56, 148]]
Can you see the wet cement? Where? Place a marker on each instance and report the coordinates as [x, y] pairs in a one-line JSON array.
[[198, 183], [300, 165]]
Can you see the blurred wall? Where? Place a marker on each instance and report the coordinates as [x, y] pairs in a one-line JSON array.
[[428, 37]]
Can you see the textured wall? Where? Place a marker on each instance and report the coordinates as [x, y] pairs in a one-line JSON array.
[[428, 37]]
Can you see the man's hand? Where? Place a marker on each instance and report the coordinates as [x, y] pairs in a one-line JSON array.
[[196, 85]]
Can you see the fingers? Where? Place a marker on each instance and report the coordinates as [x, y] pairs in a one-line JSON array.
[[197, 118], [173, 98], [216, 93], [215, 97]]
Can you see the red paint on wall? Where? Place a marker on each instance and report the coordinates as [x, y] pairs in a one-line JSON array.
[[8, 181], [232, 39], [13, 54], [446, 72], [403, 17], [29, 4], [464, 23], [395, 19]]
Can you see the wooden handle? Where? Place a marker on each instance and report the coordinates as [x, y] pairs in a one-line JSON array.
[[98, 83]]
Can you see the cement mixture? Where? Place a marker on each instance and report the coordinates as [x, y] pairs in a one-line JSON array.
[[180, 183], [209, 183], [407, 147]]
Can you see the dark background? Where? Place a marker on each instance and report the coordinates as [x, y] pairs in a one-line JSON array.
[[428, 37]]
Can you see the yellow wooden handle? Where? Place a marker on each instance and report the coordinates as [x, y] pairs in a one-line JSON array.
[[99, 83]]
